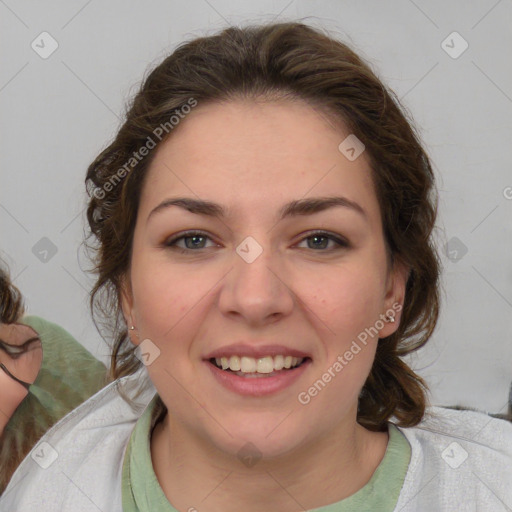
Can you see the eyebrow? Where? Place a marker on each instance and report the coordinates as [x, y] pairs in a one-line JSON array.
[[294, 208]]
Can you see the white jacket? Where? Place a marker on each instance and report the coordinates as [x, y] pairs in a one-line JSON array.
[[460, 460]]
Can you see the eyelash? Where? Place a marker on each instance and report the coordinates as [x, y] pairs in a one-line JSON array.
[[171, 243]]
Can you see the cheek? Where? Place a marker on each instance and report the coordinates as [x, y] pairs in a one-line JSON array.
[[346, 304], [164, 295], [167, 303], [157, 305], [346, 301]]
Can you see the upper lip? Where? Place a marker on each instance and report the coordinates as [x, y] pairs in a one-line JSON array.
[[256, 351]]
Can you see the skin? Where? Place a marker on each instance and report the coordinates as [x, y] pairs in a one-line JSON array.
[[25, 367], [252, 158]]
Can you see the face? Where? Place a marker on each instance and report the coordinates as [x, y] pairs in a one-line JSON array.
[[21, 351], [255, 287]]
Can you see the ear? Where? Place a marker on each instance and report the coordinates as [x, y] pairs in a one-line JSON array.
[[395, 296], [127, 306]]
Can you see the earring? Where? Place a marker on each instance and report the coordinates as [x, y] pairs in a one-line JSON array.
[[132, 328]]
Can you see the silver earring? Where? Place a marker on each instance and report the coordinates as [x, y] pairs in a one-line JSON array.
[[391, 319], [132, 328]]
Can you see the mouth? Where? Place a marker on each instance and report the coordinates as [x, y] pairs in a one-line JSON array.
[[261, 367], [257, 376]]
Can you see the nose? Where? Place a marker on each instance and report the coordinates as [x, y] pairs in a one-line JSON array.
[[257, 292]]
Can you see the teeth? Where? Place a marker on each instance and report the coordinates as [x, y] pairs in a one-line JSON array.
[[266, 364], [248, 364], [278, 362], [234, 363]]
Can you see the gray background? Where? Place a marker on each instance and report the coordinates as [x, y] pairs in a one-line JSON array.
[[59, 112]]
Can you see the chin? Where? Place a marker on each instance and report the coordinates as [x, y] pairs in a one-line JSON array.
[[263, 437]]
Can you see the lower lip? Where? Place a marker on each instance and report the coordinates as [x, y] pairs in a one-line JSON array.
[[258, 386]]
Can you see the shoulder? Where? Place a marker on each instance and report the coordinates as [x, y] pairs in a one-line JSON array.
[[459, 459], [79, 460], [45, 327], [69, 373], [482, 433], [64, 356], [54, 335]]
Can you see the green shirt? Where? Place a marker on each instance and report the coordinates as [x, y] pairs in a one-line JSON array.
[[68, 376], [69, 373], [142, 492]]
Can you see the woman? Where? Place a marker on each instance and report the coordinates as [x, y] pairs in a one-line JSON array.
[[264, 220], [44, 374]]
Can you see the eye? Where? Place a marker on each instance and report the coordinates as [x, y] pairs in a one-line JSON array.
[[196, 239], [321, 239], [16, 351]]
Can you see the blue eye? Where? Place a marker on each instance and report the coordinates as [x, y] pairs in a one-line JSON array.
[[195, 241], [324, 236]]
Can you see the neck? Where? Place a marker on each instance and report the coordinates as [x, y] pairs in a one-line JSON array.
[[326, 470]]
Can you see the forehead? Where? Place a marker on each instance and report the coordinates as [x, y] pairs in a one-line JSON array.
[[248, 154]]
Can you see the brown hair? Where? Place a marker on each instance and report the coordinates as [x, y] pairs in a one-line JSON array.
[[11, 300], [273, 61]]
